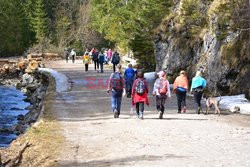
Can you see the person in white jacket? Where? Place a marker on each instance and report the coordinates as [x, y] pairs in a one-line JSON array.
[[162, 92], [73, 55]]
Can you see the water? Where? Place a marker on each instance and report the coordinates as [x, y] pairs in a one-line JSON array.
[[11, 105]]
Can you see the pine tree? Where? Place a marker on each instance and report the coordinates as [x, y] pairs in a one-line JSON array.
[[40, 21], [15, 34]]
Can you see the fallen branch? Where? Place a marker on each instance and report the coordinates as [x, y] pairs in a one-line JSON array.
[[16, 160]]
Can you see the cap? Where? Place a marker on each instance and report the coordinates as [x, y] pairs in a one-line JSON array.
[[161, 73]]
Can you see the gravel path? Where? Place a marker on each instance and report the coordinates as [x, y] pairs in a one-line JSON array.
[[94, 138]]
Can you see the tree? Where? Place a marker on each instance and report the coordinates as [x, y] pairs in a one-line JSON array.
[[15, 34], [40, 21]]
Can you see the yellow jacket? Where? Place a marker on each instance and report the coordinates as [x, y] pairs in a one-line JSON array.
[[86, 59]]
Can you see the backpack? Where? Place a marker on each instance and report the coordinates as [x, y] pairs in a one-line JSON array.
[[116, 82], [140, 87], [163, 87], [116, 59]]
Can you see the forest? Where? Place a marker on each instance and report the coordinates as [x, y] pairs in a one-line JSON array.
[[128, 25]]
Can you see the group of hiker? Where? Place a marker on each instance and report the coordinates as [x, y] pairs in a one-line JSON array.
[[134, 85], [98, 58]]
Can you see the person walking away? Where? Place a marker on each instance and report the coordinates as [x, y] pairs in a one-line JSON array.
[[66, 54], [161, 91], [180, 87], [109, 54], [101, 59], [106, 57], [115, 60], [73, 55], [140, 94], [129, 76], [95, 59], [117, 87], [86, 60], [197, 87]]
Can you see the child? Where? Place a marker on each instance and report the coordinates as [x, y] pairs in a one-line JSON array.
[[86, 61], [139, 94]]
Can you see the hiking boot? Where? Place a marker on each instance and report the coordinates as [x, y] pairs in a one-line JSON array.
[[116, 114], [179, 112], [141, 117], [199, 110], [184, 109], [161, 115]]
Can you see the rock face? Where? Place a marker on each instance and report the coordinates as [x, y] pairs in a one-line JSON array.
[[225, 61]]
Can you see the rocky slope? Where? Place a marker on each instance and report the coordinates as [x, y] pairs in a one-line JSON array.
[[212, 36]]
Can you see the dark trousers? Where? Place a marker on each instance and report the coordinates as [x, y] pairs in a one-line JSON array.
[[160, 102], [96, 64], [181, 99], [101, 66], [197, 99], [114, 65], [73, 59], [139, 108], [86, 67], [67, 59], [129, 84]]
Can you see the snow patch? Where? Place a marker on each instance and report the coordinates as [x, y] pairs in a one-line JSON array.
[[62, 83]]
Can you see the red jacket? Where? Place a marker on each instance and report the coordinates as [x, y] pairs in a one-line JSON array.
[[140, 98]]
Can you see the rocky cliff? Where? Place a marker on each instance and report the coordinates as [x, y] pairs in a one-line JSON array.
[[208, 35]]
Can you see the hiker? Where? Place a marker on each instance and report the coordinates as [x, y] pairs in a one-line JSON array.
[[73, 55], [116, 86], [86, 60], [109, 54], [129, 77], [180, 87], [66, 54], [139, 94], [101, 59], [197, 87], [162, 92], [95, 59], [106, 57], [115, 60]]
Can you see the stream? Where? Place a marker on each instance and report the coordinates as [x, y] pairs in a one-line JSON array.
[[11, 106]]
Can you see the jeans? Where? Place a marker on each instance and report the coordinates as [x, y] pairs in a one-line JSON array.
[[96, 64], [116, 100], [86, 67], [139, 108], [197, 99], [160, 102], [129, 84], [181, 99], [101, 66]]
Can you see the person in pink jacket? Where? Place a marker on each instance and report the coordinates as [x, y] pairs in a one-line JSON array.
[[109, 54]]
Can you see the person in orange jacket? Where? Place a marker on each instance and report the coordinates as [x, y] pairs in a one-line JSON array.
[[180, 87]]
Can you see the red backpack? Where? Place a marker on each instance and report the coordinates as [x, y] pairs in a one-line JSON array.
[[163, 87]]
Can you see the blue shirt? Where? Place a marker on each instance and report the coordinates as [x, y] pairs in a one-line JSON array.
[[129, 74], [197, 82]]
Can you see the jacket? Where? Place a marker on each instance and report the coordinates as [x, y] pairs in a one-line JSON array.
[[181, 82], [137, 97], [157, 85]]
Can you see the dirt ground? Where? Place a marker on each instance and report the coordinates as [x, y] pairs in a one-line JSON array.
[[95, 138]]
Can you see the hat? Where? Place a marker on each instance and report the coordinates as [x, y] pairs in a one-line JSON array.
[[161, 73]]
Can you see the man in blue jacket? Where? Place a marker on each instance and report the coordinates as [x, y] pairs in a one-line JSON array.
[[129, 76]]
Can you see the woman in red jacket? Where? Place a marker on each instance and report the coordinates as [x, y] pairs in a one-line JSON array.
[[140, 94]]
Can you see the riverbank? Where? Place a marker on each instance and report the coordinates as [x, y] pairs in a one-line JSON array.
[[35, 137]]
